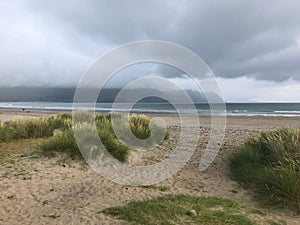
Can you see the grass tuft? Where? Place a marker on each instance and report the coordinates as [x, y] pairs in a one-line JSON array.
[[32, 128], [66, 142], [62, 143], [270, 166]]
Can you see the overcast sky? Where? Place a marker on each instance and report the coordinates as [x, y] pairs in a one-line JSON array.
[[253, 47]]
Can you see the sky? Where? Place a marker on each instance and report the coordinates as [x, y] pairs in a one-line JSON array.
[[253, 47]]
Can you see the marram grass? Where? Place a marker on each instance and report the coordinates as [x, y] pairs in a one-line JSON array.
[[270, 166], [31, 128], [66, 143]]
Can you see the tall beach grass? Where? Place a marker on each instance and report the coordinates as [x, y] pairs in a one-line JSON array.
[[65, 142], [32, 128], [270, 166]]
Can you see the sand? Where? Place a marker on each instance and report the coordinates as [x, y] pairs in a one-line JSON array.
[[37, 190], [6, 115]]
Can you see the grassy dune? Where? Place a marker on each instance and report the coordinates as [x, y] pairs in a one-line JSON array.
[[64, 142], [270, 166]]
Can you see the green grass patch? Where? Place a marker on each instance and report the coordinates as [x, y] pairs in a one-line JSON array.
[[270, 166], [173, 209]]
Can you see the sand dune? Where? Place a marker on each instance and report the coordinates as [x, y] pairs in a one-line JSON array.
[[54, 191]]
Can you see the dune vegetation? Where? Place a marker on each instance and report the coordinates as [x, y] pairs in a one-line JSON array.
[[269, 165], [64, 141], [33, 128]]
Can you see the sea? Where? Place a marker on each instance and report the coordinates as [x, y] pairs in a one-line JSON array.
[[232, 109]]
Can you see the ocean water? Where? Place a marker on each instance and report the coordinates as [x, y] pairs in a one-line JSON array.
[[232, 109]]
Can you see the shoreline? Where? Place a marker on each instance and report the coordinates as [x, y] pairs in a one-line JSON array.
[[202, 109], [18, 111]]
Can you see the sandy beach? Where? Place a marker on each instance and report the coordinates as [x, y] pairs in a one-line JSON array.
[[40, 190]]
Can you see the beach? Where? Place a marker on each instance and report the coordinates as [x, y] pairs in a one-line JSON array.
[[42, 190]]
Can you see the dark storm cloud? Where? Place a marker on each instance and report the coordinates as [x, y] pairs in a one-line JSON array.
[[255, 39], [59, 39], [116, 21]]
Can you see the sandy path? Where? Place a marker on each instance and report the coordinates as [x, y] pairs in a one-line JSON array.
[[49, 191]]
